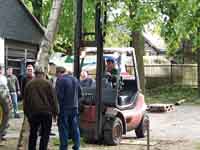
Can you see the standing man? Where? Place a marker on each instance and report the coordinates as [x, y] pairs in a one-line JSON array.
[[5, 91], [13, 86], [24, 81], [40, 106], [68, 92], [28, 77], [3, 80]]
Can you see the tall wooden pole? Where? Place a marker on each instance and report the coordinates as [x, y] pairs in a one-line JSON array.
[[78, 36], [99, 41]]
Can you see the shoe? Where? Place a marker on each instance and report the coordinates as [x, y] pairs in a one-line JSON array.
[[17, 116], [3, 138], [52, 134]]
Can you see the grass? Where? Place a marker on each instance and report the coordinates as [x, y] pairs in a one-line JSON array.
[[197, 146], [172, 94]]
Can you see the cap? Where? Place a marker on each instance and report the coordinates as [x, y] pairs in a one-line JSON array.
[[60, 69], [39, 69], [110, 59]]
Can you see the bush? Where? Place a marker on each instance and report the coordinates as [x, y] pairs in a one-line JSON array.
[[172, 94]]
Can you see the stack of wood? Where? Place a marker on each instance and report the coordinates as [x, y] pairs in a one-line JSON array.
[[160, 107]]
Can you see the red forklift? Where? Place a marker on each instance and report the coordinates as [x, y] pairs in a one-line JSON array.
[[108, 112]]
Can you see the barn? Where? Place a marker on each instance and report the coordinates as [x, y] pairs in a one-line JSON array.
[[20, 35]]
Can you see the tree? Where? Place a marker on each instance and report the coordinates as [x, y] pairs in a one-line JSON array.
[[37, 9], [50, 33], [133, 15], [180, 23], [181, 27], [42, 58]]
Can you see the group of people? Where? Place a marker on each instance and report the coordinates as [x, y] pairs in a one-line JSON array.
[[46, 99]]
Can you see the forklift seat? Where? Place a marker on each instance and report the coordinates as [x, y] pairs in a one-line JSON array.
[[128, 92], [109, 96]]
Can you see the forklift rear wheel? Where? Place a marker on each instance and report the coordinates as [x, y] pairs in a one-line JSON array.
[[113, 135], [141, 130]]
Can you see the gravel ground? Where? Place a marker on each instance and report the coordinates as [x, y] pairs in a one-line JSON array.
[[177, 130]]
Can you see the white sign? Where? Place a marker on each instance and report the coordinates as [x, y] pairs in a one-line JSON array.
[[2, 51]]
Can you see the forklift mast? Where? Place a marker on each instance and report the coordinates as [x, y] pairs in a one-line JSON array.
[[79, 43]]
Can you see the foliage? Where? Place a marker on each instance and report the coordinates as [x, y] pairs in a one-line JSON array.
[[143, 13], [176, 20], [116, 37], [172, 94], [133, 14], [181, 22]]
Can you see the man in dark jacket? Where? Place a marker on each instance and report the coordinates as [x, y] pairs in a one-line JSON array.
[[40, 105], [68, 92], [28, 77], [24, 81]]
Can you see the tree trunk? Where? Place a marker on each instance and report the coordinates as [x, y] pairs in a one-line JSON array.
[[187, 51], [52, 27], [198, 69], [138, 44]]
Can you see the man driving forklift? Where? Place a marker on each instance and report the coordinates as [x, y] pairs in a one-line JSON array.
[[111, 71]]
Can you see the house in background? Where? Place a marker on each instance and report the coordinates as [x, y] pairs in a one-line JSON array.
[[20, 35], [154, 45]]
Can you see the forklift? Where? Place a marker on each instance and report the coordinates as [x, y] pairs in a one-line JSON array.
[[107, 113]]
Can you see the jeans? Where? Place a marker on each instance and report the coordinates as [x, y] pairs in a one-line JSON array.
[[14, 102], [68, 121], [43, 120]]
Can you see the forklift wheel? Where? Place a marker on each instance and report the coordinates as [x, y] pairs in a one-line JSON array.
[[113, 131], [141, 130]]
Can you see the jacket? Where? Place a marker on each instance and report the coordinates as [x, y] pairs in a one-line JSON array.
[[68, 92], [39, 97], [13, 84]]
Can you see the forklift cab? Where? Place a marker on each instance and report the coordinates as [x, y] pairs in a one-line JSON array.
[[119, 90], [123, 105], [107, 110]]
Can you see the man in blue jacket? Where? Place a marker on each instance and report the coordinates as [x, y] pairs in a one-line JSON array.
[[68, 93]]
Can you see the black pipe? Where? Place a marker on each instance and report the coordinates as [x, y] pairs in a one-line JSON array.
[[78, 36], [99, 41]]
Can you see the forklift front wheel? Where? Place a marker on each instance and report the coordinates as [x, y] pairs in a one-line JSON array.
[[113, 131], [141, 130]]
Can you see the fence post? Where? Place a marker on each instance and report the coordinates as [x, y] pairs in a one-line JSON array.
[[171, 72], [198, 69]]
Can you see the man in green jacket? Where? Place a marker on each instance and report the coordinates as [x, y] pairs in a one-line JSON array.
[[14, 89], [40, 106]]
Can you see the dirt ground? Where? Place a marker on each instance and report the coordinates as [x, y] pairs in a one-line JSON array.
[[177, 130]]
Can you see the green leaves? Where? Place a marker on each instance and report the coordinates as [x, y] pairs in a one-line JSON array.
[[175, 19], [183, 22]]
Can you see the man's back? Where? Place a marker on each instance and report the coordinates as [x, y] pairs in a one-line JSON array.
[[39, 97], [68, 92]]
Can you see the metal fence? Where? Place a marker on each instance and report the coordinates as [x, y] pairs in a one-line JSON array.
[[173, 74]]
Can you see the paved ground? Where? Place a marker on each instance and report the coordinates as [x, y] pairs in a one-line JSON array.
[[182, 124], [177, 130]]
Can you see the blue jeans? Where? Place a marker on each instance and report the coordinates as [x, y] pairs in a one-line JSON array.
[[14, 102], [68, 125]]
